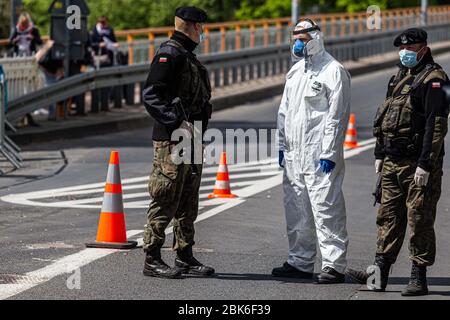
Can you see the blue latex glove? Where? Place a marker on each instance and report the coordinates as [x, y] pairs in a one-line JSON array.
[[327, 166], [281, 158]]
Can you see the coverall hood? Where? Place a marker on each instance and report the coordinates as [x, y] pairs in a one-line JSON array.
[[315, 47]]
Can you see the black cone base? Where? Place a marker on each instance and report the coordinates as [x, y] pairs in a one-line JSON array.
[[112, 245]]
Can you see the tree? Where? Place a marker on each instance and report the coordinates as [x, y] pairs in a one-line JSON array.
[[38, 10], [355, 6], [258, 9], [132, 14], [5, 10]]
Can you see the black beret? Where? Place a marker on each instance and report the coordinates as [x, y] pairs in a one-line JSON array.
[[192, 14], [411, 36]]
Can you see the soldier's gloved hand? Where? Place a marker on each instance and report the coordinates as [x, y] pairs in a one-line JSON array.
[[378, 166], [189, 127], [421, 177]]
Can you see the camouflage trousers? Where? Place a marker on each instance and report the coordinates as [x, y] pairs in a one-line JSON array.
[[174, 190], [405, 204]]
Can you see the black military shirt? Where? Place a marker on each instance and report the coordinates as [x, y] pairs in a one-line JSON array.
[[430, 100], [161, 88]]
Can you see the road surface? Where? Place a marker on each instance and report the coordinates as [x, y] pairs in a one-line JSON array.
[[51, 209]]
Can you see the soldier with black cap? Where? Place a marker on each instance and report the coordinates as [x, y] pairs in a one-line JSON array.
[[176, 95], [410, 128]]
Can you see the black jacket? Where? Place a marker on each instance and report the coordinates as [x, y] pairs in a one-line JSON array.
[[33, 33], [428, 99], [97, 39], [161, 88]]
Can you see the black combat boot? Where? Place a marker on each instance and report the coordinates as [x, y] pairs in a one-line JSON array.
[[330, 276], [362, 276], [186, 263], [156, 267], [288, 271], [417, 285]]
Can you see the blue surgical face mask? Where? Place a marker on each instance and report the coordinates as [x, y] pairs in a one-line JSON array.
[[408, 58], [299, 48], [202, 37]]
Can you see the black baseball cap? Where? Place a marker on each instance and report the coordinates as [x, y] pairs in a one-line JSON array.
[[192, 14]]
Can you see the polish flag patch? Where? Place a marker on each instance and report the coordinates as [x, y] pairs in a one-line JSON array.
[[162, 59], [436, 85]]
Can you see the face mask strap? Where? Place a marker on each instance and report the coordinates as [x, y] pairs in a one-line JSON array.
[[314, 27]]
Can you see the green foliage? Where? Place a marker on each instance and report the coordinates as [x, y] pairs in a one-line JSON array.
[[258, 9], [355, 6], [132, 14], [38, 9], [4, 18], [160, 13]]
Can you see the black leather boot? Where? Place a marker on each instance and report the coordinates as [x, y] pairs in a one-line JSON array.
[[330, 276], [156, 267], [362, 276], [417, 285], [186, 263], [288, 271]]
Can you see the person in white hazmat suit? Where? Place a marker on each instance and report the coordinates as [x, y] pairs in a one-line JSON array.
[[312, 122]]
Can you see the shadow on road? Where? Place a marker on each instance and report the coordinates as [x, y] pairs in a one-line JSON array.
[[432, 281], [257, 277]]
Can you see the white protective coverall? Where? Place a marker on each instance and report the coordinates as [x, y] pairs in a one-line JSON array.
[[312, 122]]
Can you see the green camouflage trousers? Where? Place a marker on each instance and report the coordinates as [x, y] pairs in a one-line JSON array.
[[404, 203], [174, 190]]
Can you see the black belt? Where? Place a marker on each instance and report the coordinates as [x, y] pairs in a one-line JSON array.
[[402, 146]]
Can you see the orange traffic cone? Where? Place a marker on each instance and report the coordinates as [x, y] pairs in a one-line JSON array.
[[222, 188], [351, 136], [111, 227]]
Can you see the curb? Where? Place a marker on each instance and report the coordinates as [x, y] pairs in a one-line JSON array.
[[219, 103], [81, 131]]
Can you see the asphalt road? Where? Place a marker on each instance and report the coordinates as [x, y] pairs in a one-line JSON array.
[[243, 241]]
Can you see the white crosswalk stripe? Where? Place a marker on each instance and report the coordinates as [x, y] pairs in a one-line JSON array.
[[246, 179], [135, 194]]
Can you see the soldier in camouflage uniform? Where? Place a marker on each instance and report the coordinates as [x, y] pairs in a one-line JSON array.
[[410, 128], [177, 94]]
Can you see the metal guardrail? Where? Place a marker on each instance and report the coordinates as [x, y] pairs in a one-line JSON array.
[[76, 85], [7, 147], [225, 68], [367, 45]]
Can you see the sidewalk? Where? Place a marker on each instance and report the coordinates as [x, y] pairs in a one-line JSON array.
[[133, 117]]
